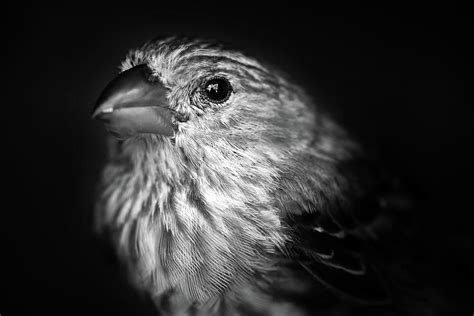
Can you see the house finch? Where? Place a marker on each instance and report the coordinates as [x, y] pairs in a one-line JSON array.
[[229, 192]]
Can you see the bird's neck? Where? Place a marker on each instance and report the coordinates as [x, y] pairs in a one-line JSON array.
[[179, 211]]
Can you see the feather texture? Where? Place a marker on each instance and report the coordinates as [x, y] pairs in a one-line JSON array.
[[262, 188]]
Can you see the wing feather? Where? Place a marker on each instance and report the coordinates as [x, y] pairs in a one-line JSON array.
[[334, 221]]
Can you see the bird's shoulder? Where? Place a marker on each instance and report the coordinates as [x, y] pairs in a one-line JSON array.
[[335, 211]]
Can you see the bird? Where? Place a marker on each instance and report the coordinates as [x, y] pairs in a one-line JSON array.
[[229, 191]]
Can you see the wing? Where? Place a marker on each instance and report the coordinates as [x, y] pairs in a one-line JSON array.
[[336, 214]]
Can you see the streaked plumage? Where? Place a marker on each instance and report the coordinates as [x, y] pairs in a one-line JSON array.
[[252, 202]]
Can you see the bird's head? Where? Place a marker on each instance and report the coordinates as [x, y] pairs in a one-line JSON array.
[[184, 91]]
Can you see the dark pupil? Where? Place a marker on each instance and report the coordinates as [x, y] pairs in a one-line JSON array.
[[217, 89]]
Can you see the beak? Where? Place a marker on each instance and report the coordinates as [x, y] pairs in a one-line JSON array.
[[131, 104]]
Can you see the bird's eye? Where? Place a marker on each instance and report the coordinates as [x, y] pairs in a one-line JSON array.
[[217, 90]]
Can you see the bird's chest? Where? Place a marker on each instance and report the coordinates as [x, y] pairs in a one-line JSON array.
[[248, 300], [196, 238]]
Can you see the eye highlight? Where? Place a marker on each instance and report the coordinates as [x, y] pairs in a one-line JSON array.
[[217, 90]]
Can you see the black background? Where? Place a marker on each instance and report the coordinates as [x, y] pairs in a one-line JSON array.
[[397, 76]]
